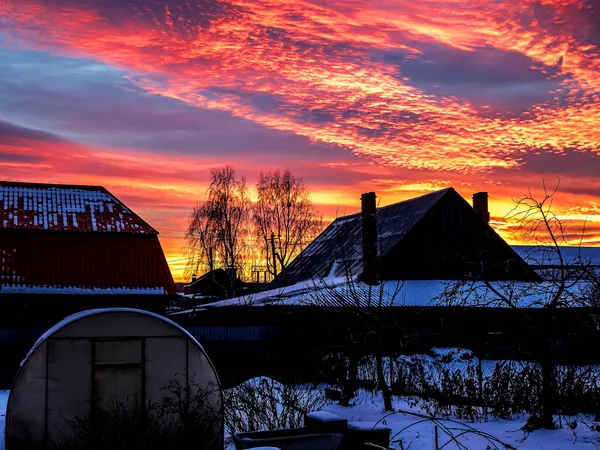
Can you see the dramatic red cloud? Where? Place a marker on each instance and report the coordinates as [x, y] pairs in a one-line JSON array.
[[311, 60], [338, 73]]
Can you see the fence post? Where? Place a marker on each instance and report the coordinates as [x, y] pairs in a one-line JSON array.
[[349, 387], [548, 384], [548, 394], [480, 378]]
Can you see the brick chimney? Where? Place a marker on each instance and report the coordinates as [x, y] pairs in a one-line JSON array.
[[369, 238], [480, 205]]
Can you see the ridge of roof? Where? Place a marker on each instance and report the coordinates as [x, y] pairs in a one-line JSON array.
[[440, 192], [44, 186]]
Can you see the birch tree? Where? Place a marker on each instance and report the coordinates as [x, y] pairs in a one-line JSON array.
[[219, 226], [285, 219]]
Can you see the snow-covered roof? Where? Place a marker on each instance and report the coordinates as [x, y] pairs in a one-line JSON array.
[[56, 207], [339, 292], [25, 289]]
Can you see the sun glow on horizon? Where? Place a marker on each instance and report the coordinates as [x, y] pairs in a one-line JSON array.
[[397, 97]]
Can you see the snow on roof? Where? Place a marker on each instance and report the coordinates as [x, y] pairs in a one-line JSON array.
[[341, 293], [338, 292], [265, 297], [24, 289], [55, 207]]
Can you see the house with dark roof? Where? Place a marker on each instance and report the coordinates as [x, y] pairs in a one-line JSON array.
[[65, 239], [437, 236], [213, 284]]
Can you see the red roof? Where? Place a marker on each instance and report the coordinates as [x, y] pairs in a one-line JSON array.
[[33, 206], [76, 239], [38, 261]]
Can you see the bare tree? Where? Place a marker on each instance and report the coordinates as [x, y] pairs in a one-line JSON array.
[[564, 278], [284, 217], [218, 228], [362, 356], [201, 242], [565, 281]]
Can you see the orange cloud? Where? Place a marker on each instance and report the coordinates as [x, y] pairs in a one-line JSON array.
[[311, 58]]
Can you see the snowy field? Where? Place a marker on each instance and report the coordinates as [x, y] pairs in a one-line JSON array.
[[369, 408]]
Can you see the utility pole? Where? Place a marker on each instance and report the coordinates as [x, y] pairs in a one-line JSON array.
[[274, 255]]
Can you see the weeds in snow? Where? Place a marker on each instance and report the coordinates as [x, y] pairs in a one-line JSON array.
[[264, 404]]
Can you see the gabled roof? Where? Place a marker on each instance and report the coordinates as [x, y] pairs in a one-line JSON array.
[[342, 241], [56, 207]]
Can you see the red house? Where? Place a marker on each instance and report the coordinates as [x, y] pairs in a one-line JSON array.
[[62, 239]]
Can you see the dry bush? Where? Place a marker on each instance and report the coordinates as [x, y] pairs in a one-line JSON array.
[[185, 418], [264, 404]]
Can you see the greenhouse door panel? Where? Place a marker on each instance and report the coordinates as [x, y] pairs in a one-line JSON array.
[[118, 389], [67, 385], [119, 375]]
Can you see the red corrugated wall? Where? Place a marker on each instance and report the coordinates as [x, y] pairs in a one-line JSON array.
[[85, 260]]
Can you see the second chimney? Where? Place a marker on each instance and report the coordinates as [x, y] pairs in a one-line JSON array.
[[369, 237], [480, 205]]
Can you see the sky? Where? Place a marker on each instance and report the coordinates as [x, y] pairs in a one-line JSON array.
[[399, 97]]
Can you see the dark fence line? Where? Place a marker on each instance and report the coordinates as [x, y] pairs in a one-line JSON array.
[[493, 333]]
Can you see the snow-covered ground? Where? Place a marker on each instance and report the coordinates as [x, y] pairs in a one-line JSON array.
[[369, 408]]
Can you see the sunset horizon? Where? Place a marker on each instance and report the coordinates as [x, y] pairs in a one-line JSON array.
[[144, 98]]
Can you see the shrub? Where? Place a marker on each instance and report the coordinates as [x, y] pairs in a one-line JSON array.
[[185, 418], [264, 404]]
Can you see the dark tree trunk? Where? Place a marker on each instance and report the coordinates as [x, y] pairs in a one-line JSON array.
[[383, 386], [349, 388], [548, 394]]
